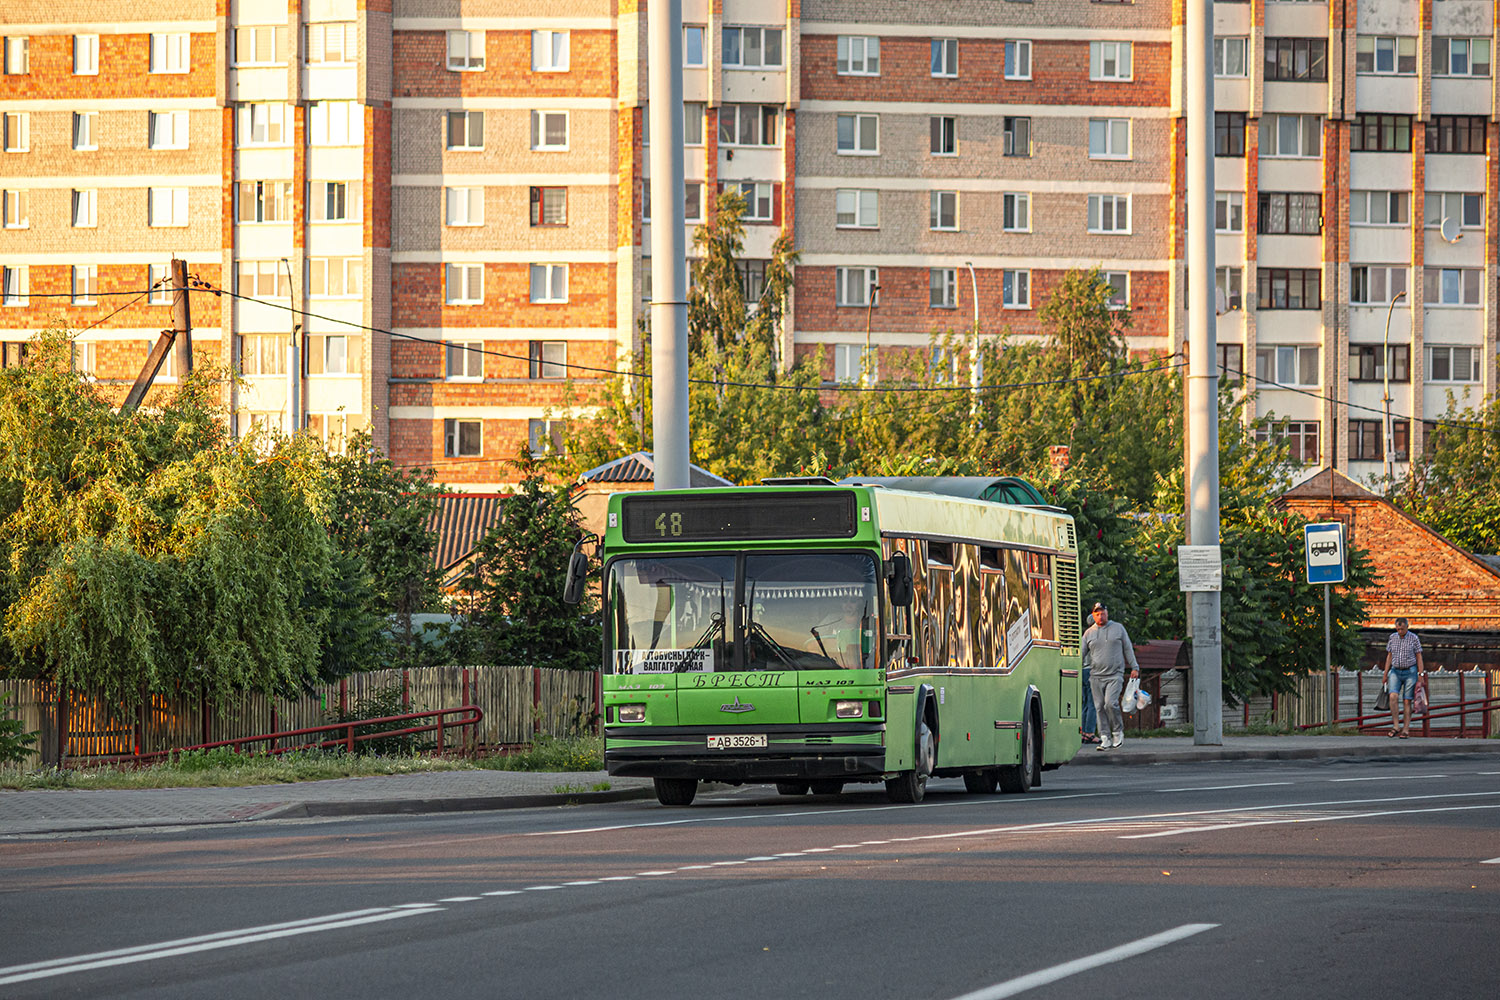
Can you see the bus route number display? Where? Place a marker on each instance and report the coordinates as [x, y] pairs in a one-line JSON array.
[[689, 518]]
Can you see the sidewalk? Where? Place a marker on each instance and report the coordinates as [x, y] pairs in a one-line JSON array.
[[70, 811]]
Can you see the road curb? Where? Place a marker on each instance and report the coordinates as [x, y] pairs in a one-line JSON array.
[[1399, 752]]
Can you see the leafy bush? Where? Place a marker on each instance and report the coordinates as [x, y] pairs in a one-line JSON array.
[[15, 741], [551, 753], [378, 704]]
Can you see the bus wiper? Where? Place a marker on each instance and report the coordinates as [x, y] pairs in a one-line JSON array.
[[715, 624], [821, 647], [759, 630]]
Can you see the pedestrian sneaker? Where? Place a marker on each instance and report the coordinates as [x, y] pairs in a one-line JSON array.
[[1117, 743], [1104, 745]]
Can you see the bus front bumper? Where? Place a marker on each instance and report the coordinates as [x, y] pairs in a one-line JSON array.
[[791, 753]]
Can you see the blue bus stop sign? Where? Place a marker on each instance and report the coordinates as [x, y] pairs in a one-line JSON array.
[[1325, 552]]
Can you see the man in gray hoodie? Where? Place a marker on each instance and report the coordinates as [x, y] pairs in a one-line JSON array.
[[1107, 651]]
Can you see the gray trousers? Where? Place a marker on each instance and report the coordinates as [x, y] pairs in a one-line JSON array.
[[1107, 691]]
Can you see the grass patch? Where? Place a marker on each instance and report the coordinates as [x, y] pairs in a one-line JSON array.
[[553, 753], [223, 768], [598, 786]]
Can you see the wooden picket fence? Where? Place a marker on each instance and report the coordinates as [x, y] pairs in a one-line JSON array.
[[519, 703]]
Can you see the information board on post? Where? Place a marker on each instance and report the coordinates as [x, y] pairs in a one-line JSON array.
[[1200, 569]]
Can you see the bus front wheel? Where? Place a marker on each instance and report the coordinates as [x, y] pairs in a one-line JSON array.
[[676, 791], [911, 786]]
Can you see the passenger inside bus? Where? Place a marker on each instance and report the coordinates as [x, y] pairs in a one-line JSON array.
[[840, 634]]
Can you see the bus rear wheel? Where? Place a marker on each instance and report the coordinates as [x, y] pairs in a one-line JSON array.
[[791, 787], [827, 786], [911, 786], [982, 782], [676, 791], [1023, 775]]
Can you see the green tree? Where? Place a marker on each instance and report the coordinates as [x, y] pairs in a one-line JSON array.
[[1455, 488]]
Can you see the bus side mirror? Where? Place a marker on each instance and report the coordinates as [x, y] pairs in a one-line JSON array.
[[898, 580], [578, 572]]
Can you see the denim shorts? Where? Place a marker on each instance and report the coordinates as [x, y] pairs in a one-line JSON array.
[[1404, 683]]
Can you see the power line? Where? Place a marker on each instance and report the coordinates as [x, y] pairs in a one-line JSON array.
[[1439, 421]]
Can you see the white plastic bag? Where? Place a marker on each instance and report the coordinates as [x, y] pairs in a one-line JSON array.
[[1127, 703], [1142, 699]]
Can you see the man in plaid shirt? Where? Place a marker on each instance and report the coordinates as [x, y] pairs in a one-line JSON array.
[[1403, 660]]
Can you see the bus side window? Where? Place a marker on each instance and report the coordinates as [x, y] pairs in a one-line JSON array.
[[1039, 573], [992, 609], [898, 621]]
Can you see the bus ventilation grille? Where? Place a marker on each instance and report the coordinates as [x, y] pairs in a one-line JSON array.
[[1072, 537], [1068, 610]]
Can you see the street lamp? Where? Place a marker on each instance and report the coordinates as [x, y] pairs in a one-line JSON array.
[[1385, 360], [976, 375], [294, 371], [864, 361]]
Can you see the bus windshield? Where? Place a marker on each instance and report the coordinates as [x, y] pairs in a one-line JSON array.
[[757, 611]]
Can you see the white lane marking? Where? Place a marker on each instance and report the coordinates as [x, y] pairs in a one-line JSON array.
[[722, 864], [541, 888], [1011, 987], [672, 872], [618, 878], [688, 868], [1487, 772], [1301, 819], [760, 858], [586, 881], [459, 899], [1220, 788], [1391, 777], [206, 942], [412, 906], [502, 892], [1491, 861]]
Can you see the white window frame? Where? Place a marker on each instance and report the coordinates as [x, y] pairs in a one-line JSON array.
[[549, 284], [544, 436], [461, 54], [550, 50], [1271, 136], [1114, 132], [1008, 136], [1447, 349], [171, 52], [335, 123], [939, 204], [1119, 283], [85, 284], [85, 131], [945, 136], [347, 49], [732, 118], [743, 31], [1098, 204], [467, 356], [166, 207], [694, 114], [160, 294], [1016, 207], [944, 62], [1467, 297], [942, 288], [539, 123], [854, 363], [865, 281], [867, 63], [547, 360], [1287, 362], [1015, 288], [265, 44], [1360, 203], [84, 208], [17, 58], [170, 126], [861, 205], [1017, 59], [463, 206], [324, 273], [16, 126], [318, 194], [15, 285], [1390, 287], [760, 199], [453, 438], [1231, 205], [688, 31], [463, 284], [1444, 46], [251, 278], [265, 116], [1397, 43], [1465, 206], [1114, 61], [692, 201], [1225, 49], [85, 55], [15, 208], [469, 118], [857, 122]]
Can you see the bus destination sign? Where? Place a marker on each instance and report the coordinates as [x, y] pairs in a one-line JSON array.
[[650, 517]]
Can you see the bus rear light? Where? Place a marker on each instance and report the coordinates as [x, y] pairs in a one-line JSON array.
[[632, 713], [848, 709]]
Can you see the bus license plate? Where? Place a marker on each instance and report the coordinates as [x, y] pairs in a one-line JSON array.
[[738, 741]]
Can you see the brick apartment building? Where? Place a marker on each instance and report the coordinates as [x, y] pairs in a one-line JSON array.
[[465, 182]]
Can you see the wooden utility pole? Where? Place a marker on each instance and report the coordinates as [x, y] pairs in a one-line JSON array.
[[181, 334]]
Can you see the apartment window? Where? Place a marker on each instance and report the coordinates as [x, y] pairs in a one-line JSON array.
[[1299, 436], [1462, 207], [1015, 212], [170, 52], [1229, 211], [1015, 289], [465, 51], [465, 361], [334, 277], [263, 201], [463, 284], [159, 281], [692, 201], [752, 275], [1109, 213], [85, 55], [1290, 214], [1229, 286], [169, 129], [85, 130], [256, 46], [331, 201], [945, 57], [167, 206], [856, 286], [1365, 439], [1461, 56], [17, 55], [1109, 138], [85, 208], [330, 355], [1119, 288], [858, 135], [692, 45], [16, 282], [692, 124], [335, 123], [1289, 288], [1017, 136], [545, 437], [260, 124], [549, 130], [1230, 56], [1380, 208], [1376, 284], [942, 210], [1365, 366], [1291, 136], [1018, 59], [464, 206], [1456, 134], [549, 283], [333, 42], [13, 353], [84, 357], [1287, 365], [759, 199], [856, 209], [15, 210], [463, 438], [1451, 286], [852, 363], [1296, 59], [747, 125], [1377, 133], [259, 279], [1231, 361], [1452, 364], [549, 206], [1109, 61], [858, 55], [942, 287], [1229, 133], [1385, 54], [943, 131], [549, 359], [85, 284], [549, 52], [752, 48]]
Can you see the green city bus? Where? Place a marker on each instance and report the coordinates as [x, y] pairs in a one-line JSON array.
[[811, 634]]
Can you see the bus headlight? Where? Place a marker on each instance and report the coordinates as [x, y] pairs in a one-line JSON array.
[[631, 713], [848, 709]]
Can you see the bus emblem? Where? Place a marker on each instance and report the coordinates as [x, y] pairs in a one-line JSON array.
[[737, 706]]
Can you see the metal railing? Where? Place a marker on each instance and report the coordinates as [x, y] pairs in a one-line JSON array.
[[1473, 713]]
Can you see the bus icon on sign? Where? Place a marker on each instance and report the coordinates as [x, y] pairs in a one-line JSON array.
[[1325, 552], [1325, 548]]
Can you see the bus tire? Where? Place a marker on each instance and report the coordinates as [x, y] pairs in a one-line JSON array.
[[675, 791], [1023, 775], [791, 788], [827, 786], [911, 786], [982, 782]]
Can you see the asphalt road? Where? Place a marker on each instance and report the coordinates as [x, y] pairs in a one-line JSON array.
[[1229, 880]]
